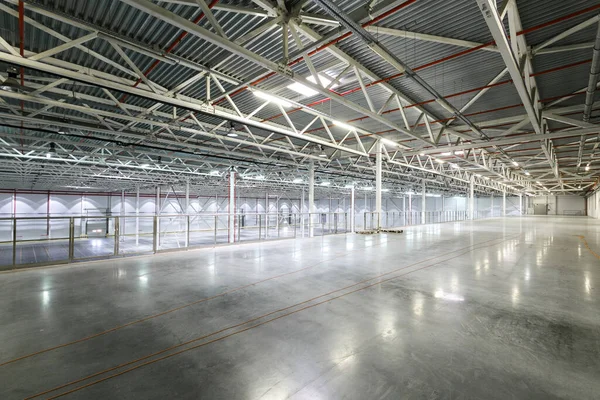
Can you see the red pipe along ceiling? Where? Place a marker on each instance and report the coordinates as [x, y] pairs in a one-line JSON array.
[[452, 56]]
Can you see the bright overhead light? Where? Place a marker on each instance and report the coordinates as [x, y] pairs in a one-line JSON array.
[[409, 193], [477, 175], [309, 92], [350, 186], [232, 134], [527, 173], [486, 177], [459, 152], [437, 160], [587, 167], [145, 165], [325, 183], [271, 98], [454, 166], [539, 183], [297, 180], [215, 173], [516, 164], [447, 153], [259, 177], [367, 188], [344, 125], [421, 154], [388, 142], [385, 190]]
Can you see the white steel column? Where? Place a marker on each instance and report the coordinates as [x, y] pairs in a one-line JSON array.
[[137, 215], [187, 211], [231, 207], [311, 198], [492, 205], [423, 202], [472, 198], [409, 208], [378, 161], [520, 204], [302, 214], [187, 197], [157, 216], [504, 203], [352, 209]]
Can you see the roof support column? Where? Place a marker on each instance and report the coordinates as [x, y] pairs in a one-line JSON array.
[[520, 204], [187, 210], [378, 164], [311, 198], [472, 198], [231, 207], [352, 209], [423, 202], [504, 203], [137, 215], [157, 217]]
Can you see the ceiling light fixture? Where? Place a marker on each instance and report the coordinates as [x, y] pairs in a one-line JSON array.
[[389, 142], [52, 151], [297, 180], [587, 167], [516, 164], [271, 98], [309, 92], [344, 125], [325, 183], [527, 173]]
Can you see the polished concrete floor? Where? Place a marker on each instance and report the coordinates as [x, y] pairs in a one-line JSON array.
[[491, 309]]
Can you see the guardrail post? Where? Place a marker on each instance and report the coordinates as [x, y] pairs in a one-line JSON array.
[[71, 239], [216, 222], [154, 234], [117, 229], [187, 231], [14, 242]]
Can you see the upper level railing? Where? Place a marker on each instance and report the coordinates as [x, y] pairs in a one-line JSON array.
[[34, 241]]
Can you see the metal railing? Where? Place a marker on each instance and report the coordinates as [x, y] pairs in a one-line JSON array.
[[398, 219], [36, 241]]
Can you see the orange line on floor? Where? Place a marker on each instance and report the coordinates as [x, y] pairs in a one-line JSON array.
[[582, 238]]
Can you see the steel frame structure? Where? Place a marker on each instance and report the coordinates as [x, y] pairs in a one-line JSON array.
[[116, 126]]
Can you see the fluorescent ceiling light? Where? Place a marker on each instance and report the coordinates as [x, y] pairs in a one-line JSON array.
[[367, 188], [214, 173], [409, 193], [421, 154], [305, 90], [325, 183], [385, 190], [486, 177], [145, 165], [448, 153], [272, 99], [459, 152], [587, 167], [437, 160], [388, 142], [516, 164], [527, 173], [297, 180], [232, 134], [344, 125], [350, 186]]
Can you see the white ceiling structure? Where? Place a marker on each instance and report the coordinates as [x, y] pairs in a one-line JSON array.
[[119, 94]]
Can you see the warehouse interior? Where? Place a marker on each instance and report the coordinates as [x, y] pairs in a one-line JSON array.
[[291, 199]]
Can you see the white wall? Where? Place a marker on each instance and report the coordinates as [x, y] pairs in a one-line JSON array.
[[559, 205]]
